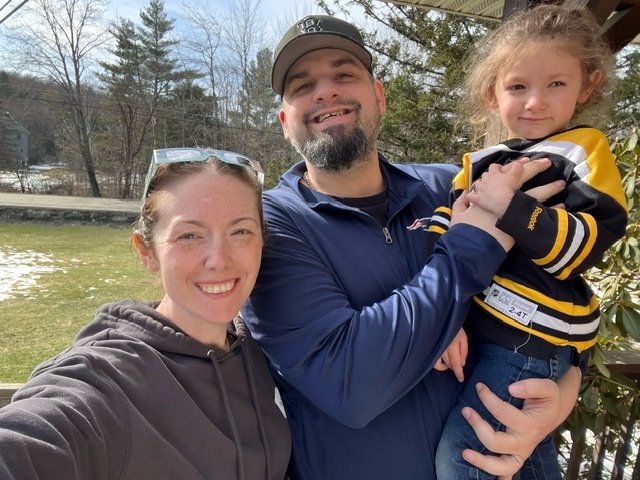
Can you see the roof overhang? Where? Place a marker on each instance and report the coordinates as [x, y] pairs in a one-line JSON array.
[[620, 19]]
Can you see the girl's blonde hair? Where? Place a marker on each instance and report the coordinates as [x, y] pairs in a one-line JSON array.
[[577, 33]]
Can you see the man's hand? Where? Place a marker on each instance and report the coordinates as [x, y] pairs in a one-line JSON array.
[[455, 356], [546, 405], [462, 211]]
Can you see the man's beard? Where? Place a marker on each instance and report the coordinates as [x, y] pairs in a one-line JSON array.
[[336, 149]]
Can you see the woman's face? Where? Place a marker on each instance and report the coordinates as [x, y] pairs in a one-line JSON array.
[[207, 246]]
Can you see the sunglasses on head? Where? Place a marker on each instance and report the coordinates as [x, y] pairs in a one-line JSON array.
[[187, 155]]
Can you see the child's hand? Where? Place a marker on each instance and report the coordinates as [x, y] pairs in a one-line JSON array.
[[495, 188], [455, 356], [464, 213]]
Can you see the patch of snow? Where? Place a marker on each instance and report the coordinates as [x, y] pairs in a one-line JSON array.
[[20, 270]]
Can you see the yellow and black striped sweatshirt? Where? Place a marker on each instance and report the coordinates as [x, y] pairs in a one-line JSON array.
[[537, 299]]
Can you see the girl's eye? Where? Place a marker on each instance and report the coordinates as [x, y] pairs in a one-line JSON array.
[[557, 84], [517, 86]]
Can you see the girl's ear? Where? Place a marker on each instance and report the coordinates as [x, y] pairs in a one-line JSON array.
[[490, 99], [592, 80], [145, 254]]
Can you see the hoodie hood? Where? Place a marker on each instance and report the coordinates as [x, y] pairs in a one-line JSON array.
[[143, 322]]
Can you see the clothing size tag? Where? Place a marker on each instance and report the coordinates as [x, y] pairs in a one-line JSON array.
[[513, 306]]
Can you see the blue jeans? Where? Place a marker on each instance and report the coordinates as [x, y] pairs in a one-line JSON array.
[[497, 367]]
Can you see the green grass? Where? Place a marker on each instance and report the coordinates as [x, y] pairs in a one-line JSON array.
[[94, 265]]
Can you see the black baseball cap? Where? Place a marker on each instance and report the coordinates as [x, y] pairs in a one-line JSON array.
[[314, 32]]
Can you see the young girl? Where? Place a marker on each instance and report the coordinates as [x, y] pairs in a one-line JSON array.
[[541, 71]]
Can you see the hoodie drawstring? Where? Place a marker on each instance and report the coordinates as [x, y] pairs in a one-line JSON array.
[[256, 405], [227, 407]]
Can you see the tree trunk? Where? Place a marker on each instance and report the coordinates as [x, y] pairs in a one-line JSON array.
[[82, 130]]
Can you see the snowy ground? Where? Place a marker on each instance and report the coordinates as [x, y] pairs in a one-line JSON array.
[[36, 182], [21, 269]]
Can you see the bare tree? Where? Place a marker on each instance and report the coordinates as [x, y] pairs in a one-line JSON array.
[[200, 48], [57, 39], [297, 10], [243, 35]]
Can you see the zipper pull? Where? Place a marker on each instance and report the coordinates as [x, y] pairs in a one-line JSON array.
[[387, 235]]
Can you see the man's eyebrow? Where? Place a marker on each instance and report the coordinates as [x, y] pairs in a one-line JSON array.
[[343, 61], [296, 76]]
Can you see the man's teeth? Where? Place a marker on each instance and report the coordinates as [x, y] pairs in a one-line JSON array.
[[218, 287], [328, 115]]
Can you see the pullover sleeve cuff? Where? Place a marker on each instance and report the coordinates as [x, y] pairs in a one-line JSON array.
[[476, 249], [517, 219]]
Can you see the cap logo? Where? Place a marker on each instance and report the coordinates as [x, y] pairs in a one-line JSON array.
[[310, 25]]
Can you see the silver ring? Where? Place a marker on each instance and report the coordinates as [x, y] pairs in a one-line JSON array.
[[517, 460]]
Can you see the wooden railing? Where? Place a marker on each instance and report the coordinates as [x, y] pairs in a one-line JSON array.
[[618, 440], [6, 392]]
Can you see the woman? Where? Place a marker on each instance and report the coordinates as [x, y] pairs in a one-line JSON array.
[[175, 389]]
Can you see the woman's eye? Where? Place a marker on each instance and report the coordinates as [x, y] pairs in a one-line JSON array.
[[187, 236]]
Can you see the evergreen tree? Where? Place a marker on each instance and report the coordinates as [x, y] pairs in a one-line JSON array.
[[264, 139], [126, 129], [189, 121], [5, 88], [139, 82], [258, 99], [160, 66], [626, 112]]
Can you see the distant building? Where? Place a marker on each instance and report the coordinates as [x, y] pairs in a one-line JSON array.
[[13, 138]]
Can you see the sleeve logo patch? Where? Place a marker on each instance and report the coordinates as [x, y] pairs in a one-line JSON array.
[[534, 218]]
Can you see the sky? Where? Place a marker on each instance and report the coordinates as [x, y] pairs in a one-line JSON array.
[[275, 17], [277, 14]]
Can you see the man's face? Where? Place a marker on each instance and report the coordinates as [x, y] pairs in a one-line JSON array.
[[331, 109]]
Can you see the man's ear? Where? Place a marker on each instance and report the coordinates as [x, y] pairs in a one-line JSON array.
[[380, 98], [592, 80], [283, 123], [145, 254]]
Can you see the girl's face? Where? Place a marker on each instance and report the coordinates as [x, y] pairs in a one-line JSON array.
[[207, 246], [537, 94]]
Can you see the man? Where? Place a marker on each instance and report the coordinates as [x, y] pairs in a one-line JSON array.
[[348, 308]]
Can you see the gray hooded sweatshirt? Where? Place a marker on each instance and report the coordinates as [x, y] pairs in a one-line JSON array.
[[135, 398]]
